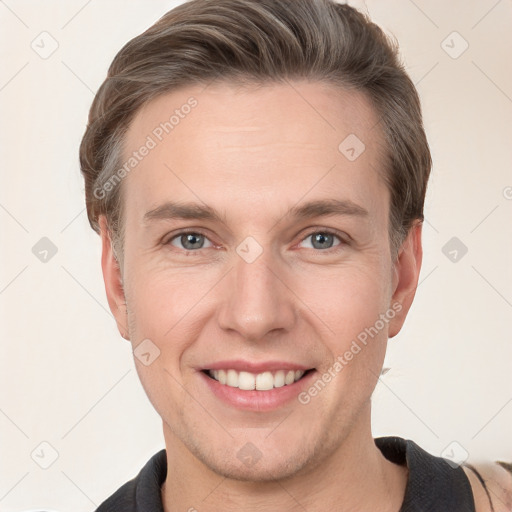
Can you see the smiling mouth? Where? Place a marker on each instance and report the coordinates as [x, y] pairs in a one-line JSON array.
[[261, 382]]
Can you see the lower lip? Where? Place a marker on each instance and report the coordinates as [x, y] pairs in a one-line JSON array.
[[254, 400]]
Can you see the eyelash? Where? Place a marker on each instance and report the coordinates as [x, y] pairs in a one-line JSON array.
[[342, 239]]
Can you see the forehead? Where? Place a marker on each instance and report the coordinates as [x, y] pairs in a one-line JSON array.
[[213, 142], [311, 112]]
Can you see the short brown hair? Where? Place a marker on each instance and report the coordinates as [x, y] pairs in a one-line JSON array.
[[259, 41]]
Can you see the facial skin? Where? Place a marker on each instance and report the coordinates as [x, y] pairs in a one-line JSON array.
[[252, 154]]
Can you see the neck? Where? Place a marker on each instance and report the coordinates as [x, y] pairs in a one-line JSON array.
[[355, 477]]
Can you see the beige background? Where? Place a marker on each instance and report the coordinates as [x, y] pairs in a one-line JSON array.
[[68, 379]]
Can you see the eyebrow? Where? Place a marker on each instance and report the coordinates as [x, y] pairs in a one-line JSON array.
[[191, 211]]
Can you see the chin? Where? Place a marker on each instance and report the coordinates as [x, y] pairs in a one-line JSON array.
[[249, 460], [266, 469]]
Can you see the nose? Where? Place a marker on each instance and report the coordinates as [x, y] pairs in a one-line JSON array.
[[257, 301]]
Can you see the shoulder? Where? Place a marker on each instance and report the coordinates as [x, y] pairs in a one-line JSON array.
[[495, 493]]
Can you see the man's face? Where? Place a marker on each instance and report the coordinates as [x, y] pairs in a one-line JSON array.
[[293, 268]]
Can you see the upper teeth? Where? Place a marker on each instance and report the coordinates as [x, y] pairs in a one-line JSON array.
[[261, 381]]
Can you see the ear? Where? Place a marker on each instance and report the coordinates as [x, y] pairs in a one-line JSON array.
[[113, 279], [406, 271]]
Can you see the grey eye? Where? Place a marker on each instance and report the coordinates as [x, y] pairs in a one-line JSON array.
[[322, 240], [190, 241]]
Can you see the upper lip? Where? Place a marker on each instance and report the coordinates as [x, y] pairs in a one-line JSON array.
[[255, 367]]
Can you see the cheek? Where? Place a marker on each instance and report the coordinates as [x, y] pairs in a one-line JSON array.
[[170, 307], [161, 299], [355, 310], [162, 306], [348, 299], [353, 303]]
